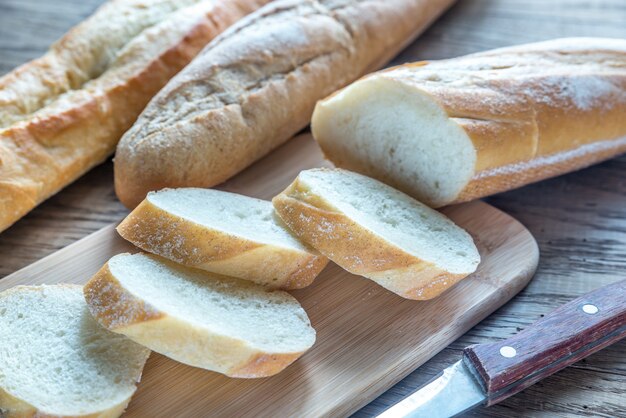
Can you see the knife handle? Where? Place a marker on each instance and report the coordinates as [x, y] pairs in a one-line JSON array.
[[568, 334]]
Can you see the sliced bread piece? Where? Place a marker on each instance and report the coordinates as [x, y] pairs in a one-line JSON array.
[[224, 233], [57, 361], [373, 230], [227, 325]]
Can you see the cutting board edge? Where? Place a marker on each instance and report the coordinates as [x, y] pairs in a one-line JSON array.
[[495, 301], [523, 282]]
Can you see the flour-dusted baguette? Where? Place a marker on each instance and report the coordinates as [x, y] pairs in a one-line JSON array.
[[225, 233], [373, 230], [455, 130], [256, 86], [63, 113], [227, 325], [57, 361]]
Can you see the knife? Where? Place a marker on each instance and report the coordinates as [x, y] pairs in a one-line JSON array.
[[489, 373]]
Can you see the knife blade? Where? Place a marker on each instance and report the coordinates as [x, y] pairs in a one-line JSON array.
[[489, 373], [456, 386]]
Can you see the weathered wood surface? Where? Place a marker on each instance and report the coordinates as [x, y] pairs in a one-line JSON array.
[[579, 219]]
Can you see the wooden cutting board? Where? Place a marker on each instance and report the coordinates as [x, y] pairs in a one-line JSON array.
[[367, 338]]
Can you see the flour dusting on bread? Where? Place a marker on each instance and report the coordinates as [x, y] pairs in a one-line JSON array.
[[458, 129]]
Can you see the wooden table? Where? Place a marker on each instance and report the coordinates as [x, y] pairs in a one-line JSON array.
[[579, 219]]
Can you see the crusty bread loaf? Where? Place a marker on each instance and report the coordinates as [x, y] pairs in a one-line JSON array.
[[63, 113], [57, 361], [256, 86], [219, 323], [225, 233], [455, 130], [373, 230]]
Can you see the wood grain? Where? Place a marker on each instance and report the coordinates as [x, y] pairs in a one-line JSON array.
[[562, 337], [579, 219], [367, 338]]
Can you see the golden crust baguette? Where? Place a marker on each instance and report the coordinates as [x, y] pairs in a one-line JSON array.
[[256, 86], [375, 231], [455, 130], [219, 323], [224, 233], [64, 113]]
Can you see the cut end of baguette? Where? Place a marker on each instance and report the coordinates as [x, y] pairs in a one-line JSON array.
[[56, 360], [373, 230], [225, 233], [218, 323], [403, 137]]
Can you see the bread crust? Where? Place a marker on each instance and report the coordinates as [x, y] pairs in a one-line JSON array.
[[123, 312], [256, 86], [178, 239], [357, 249], [531, 111], [75, 126], [12, 407]]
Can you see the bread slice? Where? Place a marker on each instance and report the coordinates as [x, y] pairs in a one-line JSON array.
[[459, 129], [219, 323], [371, 229], [56, 361], [224, 233]]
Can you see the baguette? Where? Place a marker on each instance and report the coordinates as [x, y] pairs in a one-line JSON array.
[[373, 230], [256, 86], [455, 130], [64, 113], [223, 233], [56, 361], [218, 323]]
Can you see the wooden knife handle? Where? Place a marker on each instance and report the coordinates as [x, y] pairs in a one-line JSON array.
[[568, 334]]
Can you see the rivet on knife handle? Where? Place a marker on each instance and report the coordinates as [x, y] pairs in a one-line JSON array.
[[568, 334]]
